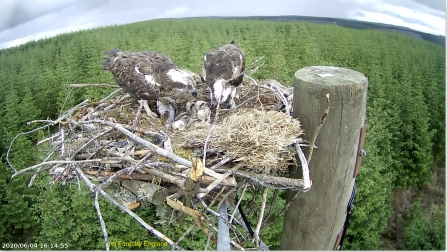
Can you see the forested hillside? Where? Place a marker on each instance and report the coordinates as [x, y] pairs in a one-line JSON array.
[[405, 115]]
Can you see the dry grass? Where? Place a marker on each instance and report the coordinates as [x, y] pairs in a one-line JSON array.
[[260, 138]]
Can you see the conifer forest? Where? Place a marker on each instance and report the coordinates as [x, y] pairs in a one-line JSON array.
[[405, 140]]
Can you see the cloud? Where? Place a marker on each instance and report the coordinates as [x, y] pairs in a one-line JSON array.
[[33, 19], [382, 12], [175, 12]]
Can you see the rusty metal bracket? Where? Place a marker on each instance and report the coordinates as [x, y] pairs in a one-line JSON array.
[[337, 242], [360, 151]]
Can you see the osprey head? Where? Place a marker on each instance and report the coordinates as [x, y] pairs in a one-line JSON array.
[[182, 80]]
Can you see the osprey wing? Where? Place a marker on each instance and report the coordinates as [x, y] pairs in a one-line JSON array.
[[134, 72]]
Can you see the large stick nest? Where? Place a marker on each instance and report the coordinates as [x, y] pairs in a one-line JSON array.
[[258, 132], [113, 140]]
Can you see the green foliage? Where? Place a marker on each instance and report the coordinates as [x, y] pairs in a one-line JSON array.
[[422, 232], [405, 113], [68, 215], [17, 222]]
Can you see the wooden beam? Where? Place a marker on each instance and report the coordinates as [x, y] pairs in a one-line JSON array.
[[316, 217]]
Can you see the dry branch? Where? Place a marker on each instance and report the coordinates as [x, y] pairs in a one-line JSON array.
[[91, 85], [94, 189]]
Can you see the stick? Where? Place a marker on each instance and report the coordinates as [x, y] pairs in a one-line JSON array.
[[136, 115], [196, 215], [275, 194], [256, 84], [160, 151], [93, 188], [101, 221], [261, 216], [238, 202], [186, 233], [53, 162], [249, 70], [269, 181], [304, 167], [91, 85], [209, 135], [112, 94], [217, 181], [280, 95], [222, 162]]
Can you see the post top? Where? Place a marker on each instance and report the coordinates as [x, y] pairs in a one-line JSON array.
[[329, 75]]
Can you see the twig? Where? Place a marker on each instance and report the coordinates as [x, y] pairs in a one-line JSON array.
[[53, 162], [92, 85], [207, 241], [109, 181], [222, 162], [225, 196], [93, 188], [304, 167], [218, 216], [217, 181], [261, 216], [136, 115], [166, 177], [73, 154], [195, 214], [238, 202], [49, 138], [101, 221], [256, 84], [275, 194], [186, 233], [217, 196], [205, 145], [63, 116], [153, 147], [112, 94], [248, 69], [280, 96], [139, 163], [269, 181]]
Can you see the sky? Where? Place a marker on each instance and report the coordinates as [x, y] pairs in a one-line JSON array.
[[25, 20]]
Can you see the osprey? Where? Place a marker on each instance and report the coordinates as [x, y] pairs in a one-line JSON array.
[[147, 76], [220, 65]]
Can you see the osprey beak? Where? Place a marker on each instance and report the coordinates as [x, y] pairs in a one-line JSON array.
[[193, 93]]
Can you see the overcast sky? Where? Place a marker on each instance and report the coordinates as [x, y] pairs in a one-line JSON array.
[[24, 20]]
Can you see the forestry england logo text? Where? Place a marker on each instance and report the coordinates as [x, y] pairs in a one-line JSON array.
[[124, 244]]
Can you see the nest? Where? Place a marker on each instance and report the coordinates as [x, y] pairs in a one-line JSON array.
[[113, 140], [258, 132], [258, 135]]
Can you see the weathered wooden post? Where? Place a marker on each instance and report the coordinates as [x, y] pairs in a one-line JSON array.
[[316, 217]]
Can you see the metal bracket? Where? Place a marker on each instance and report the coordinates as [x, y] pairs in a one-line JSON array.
[[337, 241], [360, 151]]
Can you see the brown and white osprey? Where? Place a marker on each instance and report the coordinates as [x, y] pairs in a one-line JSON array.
[[148, 75], [220, 65]]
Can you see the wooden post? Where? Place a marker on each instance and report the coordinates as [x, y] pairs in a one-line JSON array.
[[316, 217]]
